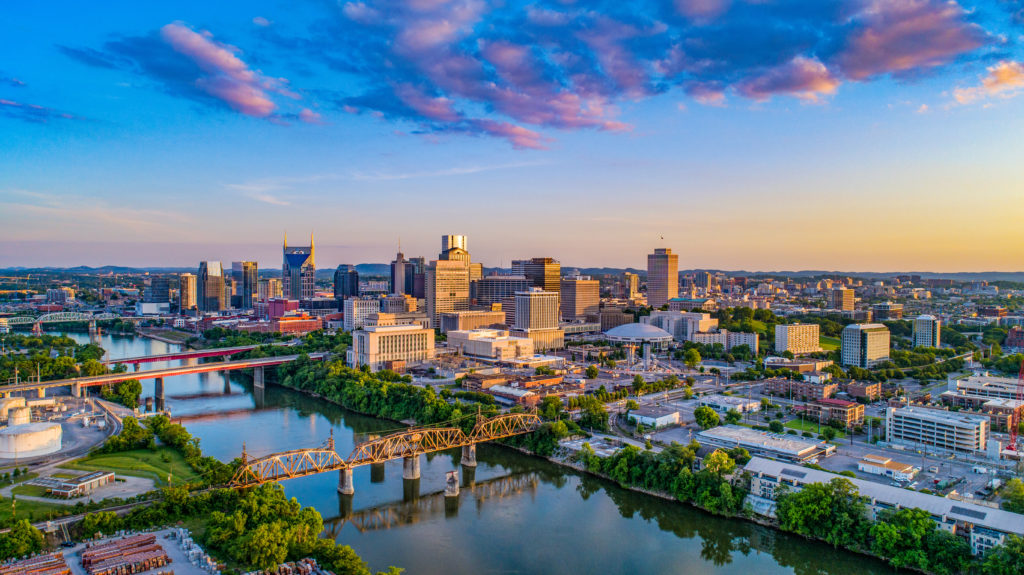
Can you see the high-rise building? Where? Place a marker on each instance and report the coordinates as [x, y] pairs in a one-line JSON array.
[[797, 338], [841, 299], [887, 311], [158, 290], [246, 276], [493, 289], [580, 297], [544, 273], [536, 317], [210, 287], [358, 311], [398, 269], [186, 292], [927, 331], [416, 277], [346, 282], [632, 285], [447, 286], [865, 344], [298, 270], [662, 277], [268, 288], [449, 241]]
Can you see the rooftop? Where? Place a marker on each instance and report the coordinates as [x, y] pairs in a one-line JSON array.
[[744, 435], [940, 506], [638, 332]]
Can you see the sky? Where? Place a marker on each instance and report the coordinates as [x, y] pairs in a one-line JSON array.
[[857, 135]]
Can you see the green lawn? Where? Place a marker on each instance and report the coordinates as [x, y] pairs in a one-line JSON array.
[[18, 479], [31, 510], [33, 490], [65, 475], [140, 463], [828, 343], [809, 426]]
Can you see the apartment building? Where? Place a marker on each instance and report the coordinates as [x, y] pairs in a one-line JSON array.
[[797, 338], [927, 331]]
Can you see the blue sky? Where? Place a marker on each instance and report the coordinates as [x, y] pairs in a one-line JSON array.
[[751, 134]]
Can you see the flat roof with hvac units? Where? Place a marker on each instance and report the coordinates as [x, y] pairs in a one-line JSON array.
[[765, 444]]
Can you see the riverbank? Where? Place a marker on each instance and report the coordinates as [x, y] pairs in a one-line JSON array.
[[178, 337]]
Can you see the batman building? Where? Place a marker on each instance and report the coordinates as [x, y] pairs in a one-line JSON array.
[[298, 271]]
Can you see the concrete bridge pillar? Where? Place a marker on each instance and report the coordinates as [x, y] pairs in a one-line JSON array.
[[135, 368], [42, 392], [76, 390], [411, 467], [345, 484], [376, 473], [227, 381], [451, 485], [469, 455], [257, 377], [158, 392]]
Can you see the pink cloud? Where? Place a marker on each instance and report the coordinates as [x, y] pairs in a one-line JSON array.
[[309, 116], [261, 21], [433, 108], [702, 9], [519, 136], [227, 77], [1005, 80], [904, 35], [805, 78]]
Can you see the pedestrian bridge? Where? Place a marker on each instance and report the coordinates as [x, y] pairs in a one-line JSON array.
[[407, 444]]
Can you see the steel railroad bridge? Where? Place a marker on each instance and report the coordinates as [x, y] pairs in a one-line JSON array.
[[407, 444]]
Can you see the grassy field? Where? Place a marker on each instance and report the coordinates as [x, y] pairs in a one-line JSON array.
[[65, 475], [32, 510], [18, 479], [33, 490], [810, 426], [828, 343], [140, 463]]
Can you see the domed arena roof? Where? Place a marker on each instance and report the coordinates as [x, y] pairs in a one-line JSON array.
[[638, 332]]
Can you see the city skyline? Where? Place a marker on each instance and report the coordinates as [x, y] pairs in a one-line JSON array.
[[761, 136]]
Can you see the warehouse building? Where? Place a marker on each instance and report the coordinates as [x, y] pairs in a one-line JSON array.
[[764, 444]]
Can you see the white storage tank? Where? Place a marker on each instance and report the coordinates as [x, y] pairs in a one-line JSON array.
[[19, 416], [8, 403], [30, 440]]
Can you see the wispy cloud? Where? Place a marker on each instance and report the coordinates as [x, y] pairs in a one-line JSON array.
[[30, 211], [1004, 80], [457, 171], [269, 199]]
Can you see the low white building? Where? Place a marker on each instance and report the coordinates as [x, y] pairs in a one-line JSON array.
[[884, 466], [381, 345], [654, 416], [492, 344], [724, 403]]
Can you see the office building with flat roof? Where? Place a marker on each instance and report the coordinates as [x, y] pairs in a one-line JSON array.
[[494, 289], [473, 319], [580, 298], [846, 413], [245, 276], [683, 325], [841, 298], [490, 344], [765, 444], [384, 345], [187, 292], [358, 311], [865, 344], [951, 431], [797, 338], [985, 386], [447, 287], [887, 311], [536, 317], [662, 277], [346, 281], [927, 331], [544, 273]]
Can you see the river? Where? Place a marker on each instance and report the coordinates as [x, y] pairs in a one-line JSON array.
[[516, 513]]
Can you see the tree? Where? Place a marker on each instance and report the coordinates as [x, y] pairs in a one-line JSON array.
[[732, 416], [21, 540], [706, 417], [1006, 559], [829, 433], [639, 384], [1013, 496], [833, 512], [691, 358], [776, 426], [899, 537], [631, 405], [719, 463], [592, 372]]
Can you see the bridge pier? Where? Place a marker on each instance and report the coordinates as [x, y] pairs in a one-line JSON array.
[[135, 368], [227, 382], [42, 394], [411, 467], [451, 485], [468, 476], [376, 473], [345, 484], [469, 455], [257, 377], [158, 392], [76, 390]]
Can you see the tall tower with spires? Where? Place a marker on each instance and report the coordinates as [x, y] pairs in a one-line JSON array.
[[298, 270]]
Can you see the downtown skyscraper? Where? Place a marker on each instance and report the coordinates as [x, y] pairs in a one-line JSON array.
[[298, 270], [662, 277]]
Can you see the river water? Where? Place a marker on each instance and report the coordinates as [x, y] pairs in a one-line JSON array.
[[515, 514]]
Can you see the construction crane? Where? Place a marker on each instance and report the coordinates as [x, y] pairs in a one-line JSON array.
[[1014, 419]]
